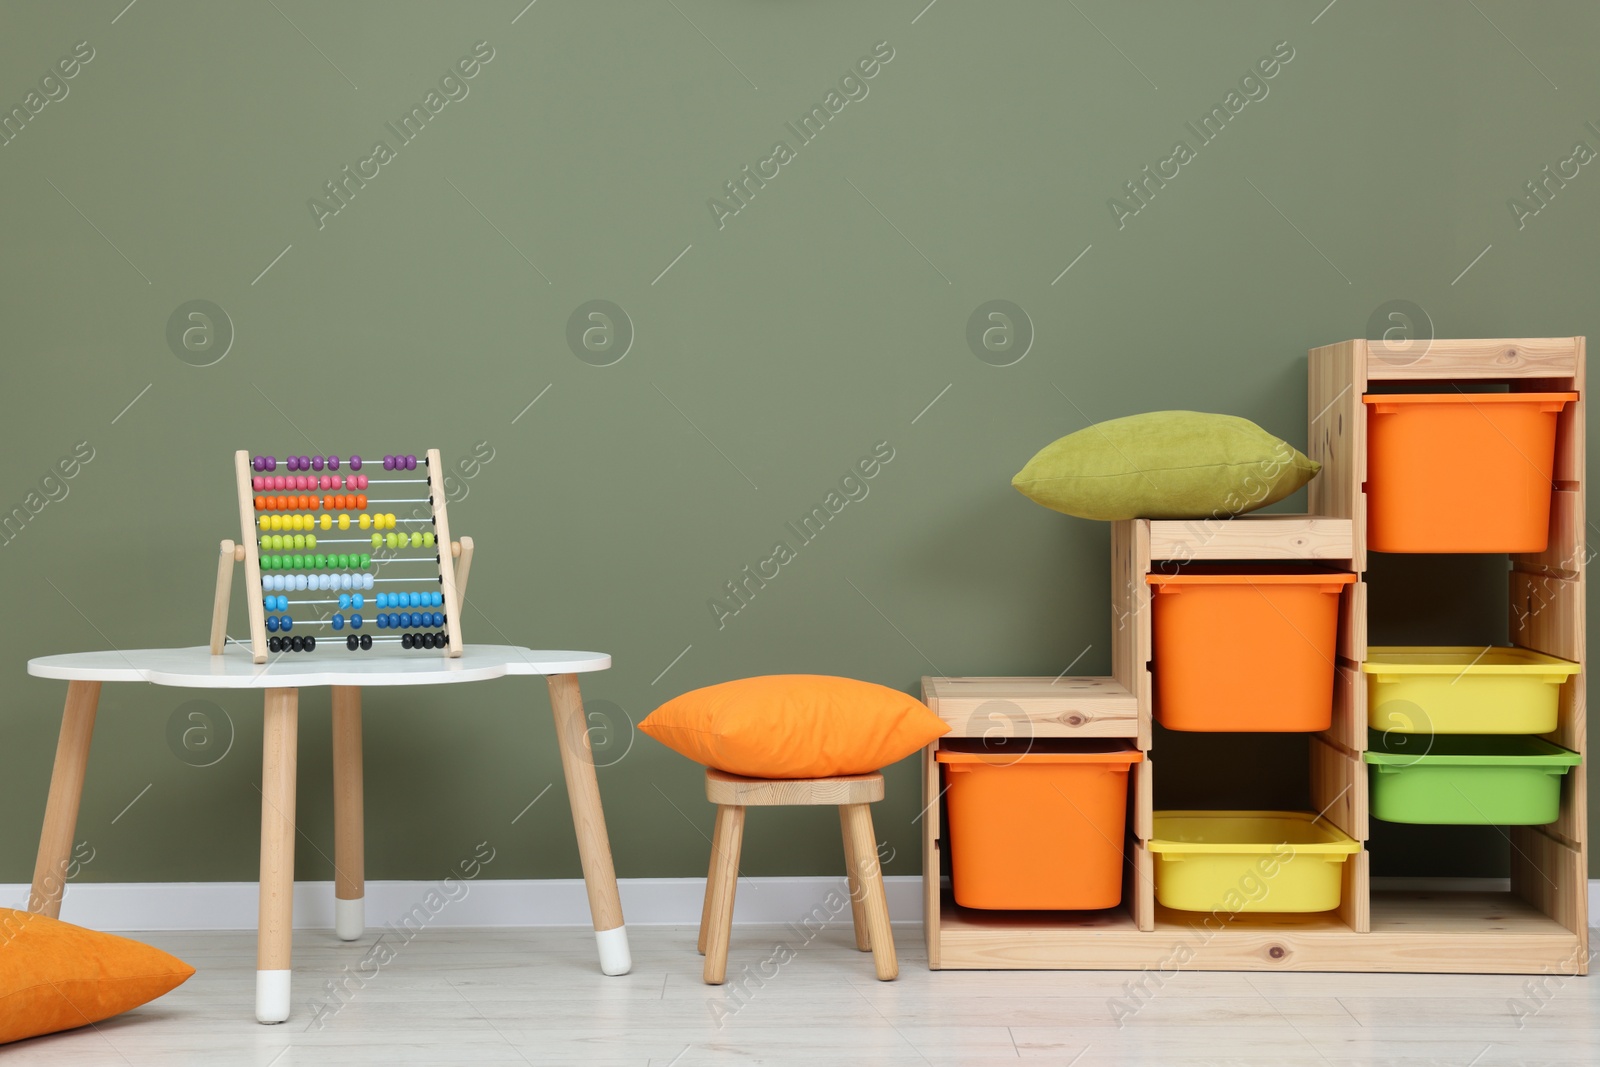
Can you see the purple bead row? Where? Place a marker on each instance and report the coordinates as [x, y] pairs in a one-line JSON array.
[[303, 463], [317, 463]]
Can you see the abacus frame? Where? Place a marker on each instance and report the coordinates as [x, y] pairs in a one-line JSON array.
[[452, 576]]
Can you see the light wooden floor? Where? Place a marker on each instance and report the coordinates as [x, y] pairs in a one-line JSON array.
[[536, 997]]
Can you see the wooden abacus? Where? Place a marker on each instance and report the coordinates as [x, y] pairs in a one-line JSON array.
[[281, 513]]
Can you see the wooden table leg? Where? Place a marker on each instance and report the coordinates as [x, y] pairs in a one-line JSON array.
[[858, 911], [349, 839], [594, 846], [276, 923], [873, 900], [66, 791]]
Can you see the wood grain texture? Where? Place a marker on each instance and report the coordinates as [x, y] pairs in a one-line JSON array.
[[1352, 635], [255, 610], [1252, 536], [1033, 707], [1141, 799], [717, 831], [1550, 876], [863, 843], [1339, 787], [54, 858], [279, 755], [725, 788], [724, 886], [1355, 899], [1349, 728], [1336, 437], [1140, 888], [1547, 614], [447, 564], [858, 914], [462, 550], [1130, 617], [1443, 933], [583, 792], [1473, 357], [932, 791], [219, 604], [1571, 828], [349, 796]]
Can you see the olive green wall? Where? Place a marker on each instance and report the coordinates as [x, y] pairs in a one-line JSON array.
[[769, 352]]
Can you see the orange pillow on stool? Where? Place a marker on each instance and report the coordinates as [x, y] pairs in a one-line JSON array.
[[55, 976], [794, 726]]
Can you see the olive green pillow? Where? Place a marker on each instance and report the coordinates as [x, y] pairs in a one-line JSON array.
[[1165, 465]]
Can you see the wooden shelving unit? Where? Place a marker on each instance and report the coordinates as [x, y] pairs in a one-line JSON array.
[[1540, 926]]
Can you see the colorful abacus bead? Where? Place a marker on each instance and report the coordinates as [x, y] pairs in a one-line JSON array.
[[411, 463], [355, 463], [337, 621], [388, 463], [333, 463], [352, 642], [274, 644], [366, 641], [405, 640], [355, 621]]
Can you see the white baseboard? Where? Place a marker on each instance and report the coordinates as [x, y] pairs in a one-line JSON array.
[[485, 902], [521, 902]]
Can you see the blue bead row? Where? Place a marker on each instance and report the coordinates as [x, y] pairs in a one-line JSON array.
[[279, 622], [407, 620], [410, 600]]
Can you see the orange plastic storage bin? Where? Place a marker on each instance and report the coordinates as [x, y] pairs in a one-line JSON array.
[[1039, 831], [1245, 649], [1460, 472]]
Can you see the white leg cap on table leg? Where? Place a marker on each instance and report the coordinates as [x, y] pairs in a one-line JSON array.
[[349, 918], [272, 996], [614, 955]]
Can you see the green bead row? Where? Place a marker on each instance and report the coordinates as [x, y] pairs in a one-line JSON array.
[[403, 539], [318, 562]]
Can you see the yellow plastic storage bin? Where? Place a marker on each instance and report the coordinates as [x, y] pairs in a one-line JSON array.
[[1226, 862], [1466, 689]]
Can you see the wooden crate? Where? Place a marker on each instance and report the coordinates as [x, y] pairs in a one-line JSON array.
[[1541, 926]]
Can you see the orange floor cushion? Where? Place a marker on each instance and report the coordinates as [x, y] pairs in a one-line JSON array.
[[55, 976], [794, 726]]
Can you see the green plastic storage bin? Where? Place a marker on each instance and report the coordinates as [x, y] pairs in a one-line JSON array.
[[1474, 780]]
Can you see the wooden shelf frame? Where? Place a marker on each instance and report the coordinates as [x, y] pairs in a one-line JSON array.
[[1541, 926]]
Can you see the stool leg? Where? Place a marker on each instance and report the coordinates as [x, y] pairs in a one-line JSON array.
[[865, 845], [711, 881], [349, 859], [724, 882], [858, 914]]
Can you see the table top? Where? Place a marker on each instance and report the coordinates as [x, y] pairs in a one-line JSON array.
[[197, 668]]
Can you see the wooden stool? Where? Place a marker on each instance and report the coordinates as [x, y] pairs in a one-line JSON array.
[[869, 908]]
